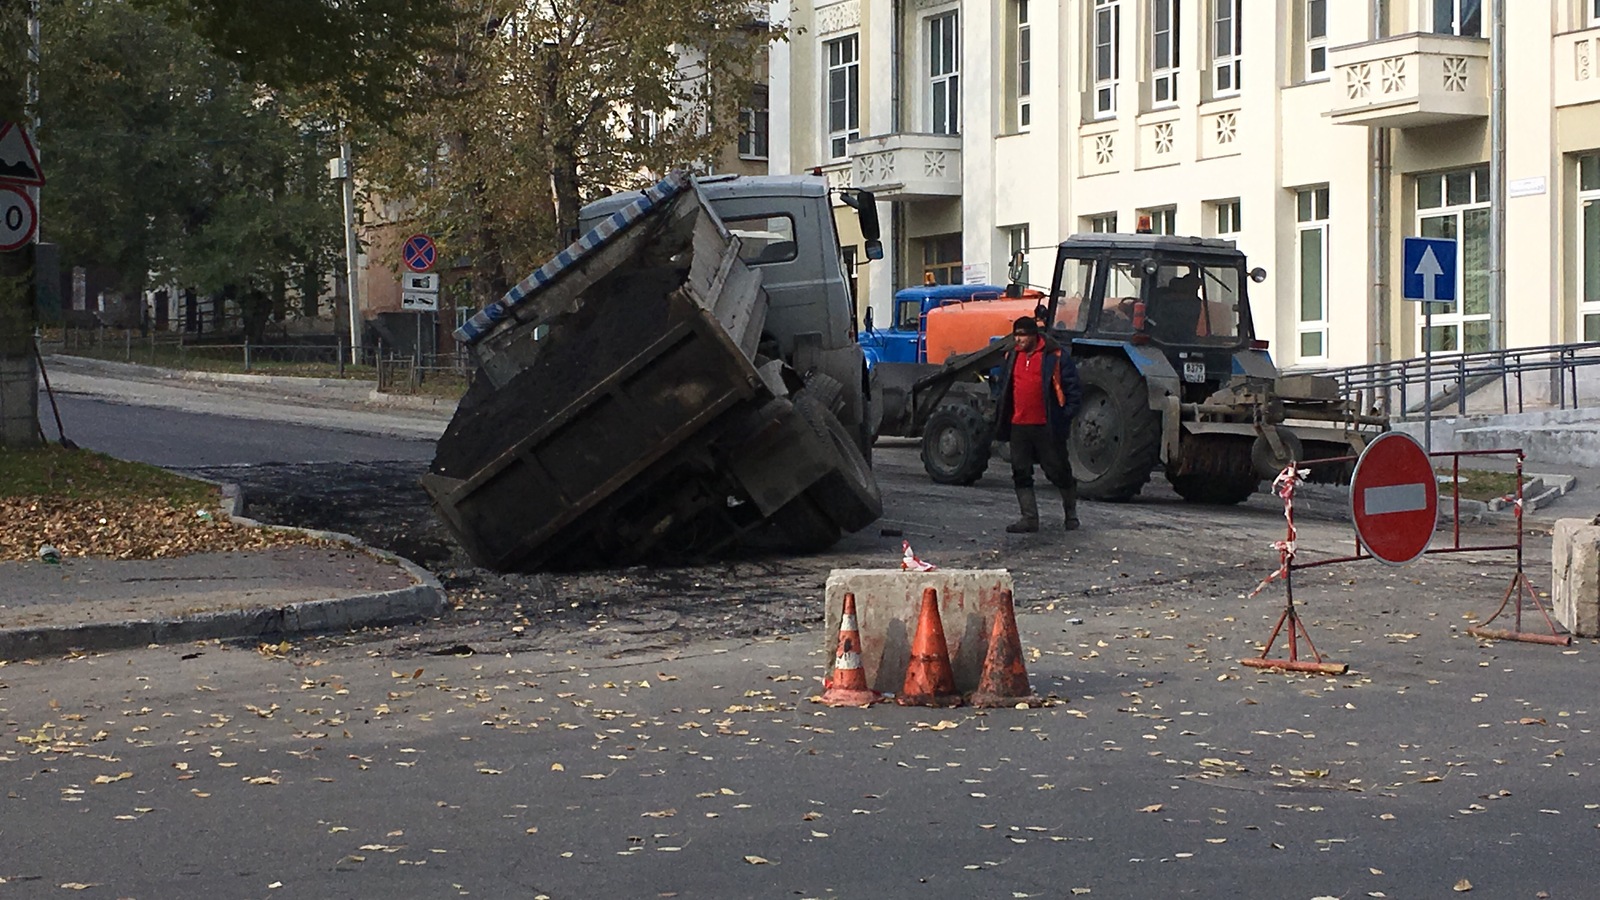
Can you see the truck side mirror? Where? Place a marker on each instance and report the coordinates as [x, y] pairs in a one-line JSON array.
[[874, 248], [866, 321], [866, 207]]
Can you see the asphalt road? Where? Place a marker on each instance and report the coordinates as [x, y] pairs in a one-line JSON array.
[[645, 733]]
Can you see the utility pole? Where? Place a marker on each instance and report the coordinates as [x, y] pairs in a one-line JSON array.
[[341, 169], [19, 372]]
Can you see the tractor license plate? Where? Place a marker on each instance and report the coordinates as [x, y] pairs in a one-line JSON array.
[[1194, 371]]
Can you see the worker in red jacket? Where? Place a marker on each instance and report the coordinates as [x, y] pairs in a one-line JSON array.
[[1038, 398]]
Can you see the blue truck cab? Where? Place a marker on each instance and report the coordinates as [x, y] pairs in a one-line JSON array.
[[905, 339]]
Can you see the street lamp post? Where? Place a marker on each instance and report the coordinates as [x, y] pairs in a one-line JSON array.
[[340, 169]]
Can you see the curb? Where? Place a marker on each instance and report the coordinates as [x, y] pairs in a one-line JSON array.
[[423, 600]]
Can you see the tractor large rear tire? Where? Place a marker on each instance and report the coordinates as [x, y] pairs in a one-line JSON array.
[[1116, 436], [955, 444]]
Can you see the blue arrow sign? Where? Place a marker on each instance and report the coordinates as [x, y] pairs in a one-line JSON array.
[[1430, 270]]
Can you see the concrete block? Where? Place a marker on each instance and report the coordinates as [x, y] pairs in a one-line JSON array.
[[888, 603], [1575, 575]]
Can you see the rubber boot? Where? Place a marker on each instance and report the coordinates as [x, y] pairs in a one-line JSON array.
[[1069, 506], [1030, 513]]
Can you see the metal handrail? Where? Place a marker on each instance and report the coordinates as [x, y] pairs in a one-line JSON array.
[[1402, 387]]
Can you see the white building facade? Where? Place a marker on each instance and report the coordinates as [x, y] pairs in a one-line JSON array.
[[1318, 134]]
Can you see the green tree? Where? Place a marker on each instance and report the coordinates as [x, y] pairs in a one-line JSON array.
[[537, 107], [165, 164]]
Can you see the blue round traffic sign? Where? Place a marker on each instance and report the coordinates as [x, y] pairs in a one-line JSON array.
[[419, 253]]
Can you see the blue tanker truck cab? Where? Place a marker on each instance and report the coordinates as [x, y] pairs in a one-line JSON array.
[[905, 340]]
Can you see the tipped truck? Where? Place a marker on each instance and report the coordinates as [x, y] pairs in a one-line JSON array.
[[643, 397]]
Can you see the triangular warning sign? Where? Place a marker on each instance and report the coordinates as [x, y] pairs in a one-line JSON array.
[[19, 164]]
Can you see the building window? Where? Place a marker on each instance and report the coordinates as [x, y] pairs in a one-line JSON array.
[[941, 259], [1589, 244], [1024, 73], [944, 74], [1017, 254], [753, 118], [1105, 223], [1594, 12], [1458, 17], [646, 126], [844, 94], [1311, 320], [1227, 35], [1159, 220], [1163, 52], [1106, 56], [1227, 218], [1316, 31], [1455, 205]]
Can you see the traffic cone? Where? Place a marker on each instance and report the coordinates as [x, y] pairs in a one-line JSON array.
[[847, 685], [1005, 680], [929, 678]]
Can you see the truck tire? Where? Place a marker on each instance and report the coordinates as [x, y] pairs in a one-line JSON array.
[[955, 444], [1116, 436], [1214, 468], [848, 494]]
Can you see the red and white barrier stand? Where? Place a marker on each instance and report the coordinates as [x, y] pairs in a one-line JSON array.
[[1284, 486]]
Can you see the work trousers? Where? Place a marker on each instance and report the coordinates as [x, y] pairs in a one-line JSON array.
[[1034, 445]]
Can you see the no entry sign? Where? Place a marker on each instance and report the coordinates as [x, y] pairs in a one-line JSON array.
[[1394, 499]]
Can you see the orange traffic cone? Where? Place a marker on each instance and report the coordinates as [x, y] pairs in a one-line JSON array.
[[847, 685], [929, 679], [1005, 680]]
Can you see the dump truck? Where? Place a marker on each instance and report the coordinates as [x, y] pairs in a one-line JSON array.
[[681, 380], [1173, 375]]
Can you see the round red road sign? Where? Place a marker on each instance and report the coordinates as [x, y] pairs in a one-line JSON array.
[[1394, 499], [419, 253]]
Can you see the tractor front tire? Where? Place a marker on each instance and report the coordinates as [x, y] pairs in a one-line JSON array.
[[955, 444], [1116, 436]]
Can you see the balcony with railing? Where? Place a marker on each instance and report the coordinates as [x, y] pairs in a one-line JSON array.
[[907, 166], [1410, 80]]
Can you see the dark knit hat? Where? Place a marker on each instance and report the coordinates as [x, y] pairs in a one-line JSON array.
[[1025, 325]]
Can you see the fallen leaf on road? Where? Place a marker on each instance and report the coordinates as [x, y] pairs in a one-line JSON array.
[[1154, 807], [1462, 886], [110, 779], [659, 814], [557, 767], [755, 860]]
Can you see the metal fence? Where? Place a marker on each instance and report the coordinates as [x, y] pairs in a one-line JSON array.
[[1566, 376]]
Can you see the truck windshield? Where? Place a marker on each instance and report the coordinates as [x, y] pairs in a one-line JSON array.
[[1195, 303], [908, 316]]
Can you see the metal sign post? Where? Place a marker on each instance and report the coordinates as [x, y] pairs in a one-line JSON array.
[[1430, 276]]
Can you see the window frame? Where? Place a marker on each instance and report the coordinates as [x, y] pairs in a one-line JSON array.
[[1316, 44], [1454, 315], [1161, 217], [932, 265], [1105, 31], [1100, 223], [1023, 69], [1164, 69], [1311, 218], [1588, 196], [1594, 14], [848, 72], [1226, 63], [755, 125], [1017, 237], [1457, 10], [1227, 216], [946, 84]]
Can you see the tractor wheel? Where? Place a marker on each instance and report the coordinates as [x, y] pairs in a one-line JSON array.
[[848, 494], [1116, 436], [1214, 468], [955, 444]]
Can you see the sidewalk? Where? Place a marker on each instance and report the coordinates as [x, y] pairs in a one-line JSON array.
[[103, 604]]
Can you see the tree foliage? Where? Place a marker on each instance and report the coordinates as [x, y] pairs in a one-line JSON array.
[[168, 167], [536, 107]]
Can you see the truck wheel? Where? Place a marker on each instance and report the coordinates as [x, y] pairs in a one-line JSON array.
[[1116, 436], [1214, 468], [955, 444], [848, 494], [807, 527]]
